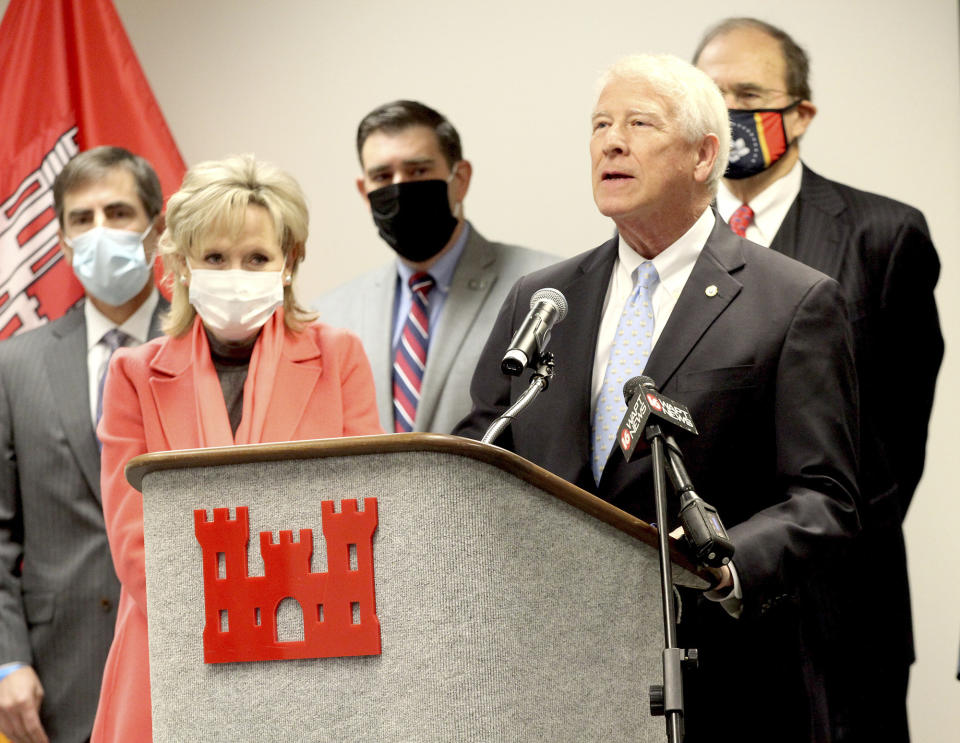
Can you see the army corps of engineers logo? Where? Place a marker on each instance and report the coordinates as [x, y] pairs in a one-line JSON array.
[[35, 284], [338, 606]]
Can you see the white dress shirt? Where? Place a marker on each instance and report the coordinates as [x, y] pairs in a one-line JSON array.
[[137, 327], [442, 273], [769, 207], [673, 266]]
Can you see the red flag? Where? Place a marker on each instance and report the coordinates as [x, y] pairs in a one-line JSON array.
[[69, 81]]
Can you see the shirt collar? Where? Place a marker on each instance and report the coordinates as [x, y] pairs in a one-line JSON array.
[[674, 263], [442, 270], [770, 206], [137, 326]]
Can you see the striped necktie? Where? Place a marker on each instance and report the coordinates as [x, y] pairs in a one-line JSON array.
[[112, 339], [410, 357], [741, 219], [628, 356]]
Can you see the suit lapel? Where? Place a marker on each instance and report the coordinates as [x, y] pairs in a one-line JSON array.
[[376, 329], [709, 290], [295, 379], [813, 232], [174, 393], [570, 409], [472, 281], [707, 293], [69, 383]]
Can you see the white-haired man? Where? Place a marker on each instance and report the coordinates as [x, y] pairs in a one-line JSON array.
[[756, 344]]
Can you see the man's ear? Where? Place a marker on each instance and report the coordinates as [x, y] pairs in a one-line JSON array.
[[64, 248], [798, 123], [706, 157], [153, 239], [362, 188], [461, 181]]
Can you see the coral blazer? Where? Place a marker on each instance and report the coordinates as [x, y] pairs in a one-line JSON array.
[[165, 395]]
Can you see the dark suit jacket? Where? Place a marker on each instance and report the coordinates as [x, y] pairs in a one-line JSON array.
[[57, 613], [880, 252], [765, 365]]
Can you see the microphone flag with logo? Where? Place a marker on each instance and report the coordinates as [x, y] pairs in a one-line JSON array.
[[643, 401], [69, 81]]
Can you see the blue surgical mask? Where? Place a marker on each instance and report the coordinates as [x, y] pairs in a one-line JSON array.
[[111, 264]]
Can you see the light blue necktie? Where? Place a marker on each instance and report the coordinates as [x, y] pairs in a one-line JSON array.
[[628, 356]]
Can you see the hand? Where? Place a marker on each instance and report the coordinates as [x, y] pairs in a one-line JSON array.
[[20, 695], [723, 579]]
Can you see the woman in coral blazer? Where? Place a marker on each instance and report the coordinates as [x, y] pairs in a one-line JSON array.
[[241, 363]]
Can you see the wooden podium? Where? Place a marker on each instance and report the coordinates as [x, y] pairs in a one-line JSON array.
[[510, 604]]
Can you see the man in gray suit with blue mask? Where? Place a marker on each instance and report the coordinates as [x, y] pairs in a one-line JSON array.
[[423, 318], [58, 588]]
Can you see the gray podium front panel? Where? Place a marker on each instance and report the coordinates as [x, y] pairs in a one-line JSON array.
[[505, 613]]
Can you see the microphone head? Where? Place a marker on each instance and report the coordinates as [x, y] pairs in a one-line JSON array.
[[552, 296], [633, 385]]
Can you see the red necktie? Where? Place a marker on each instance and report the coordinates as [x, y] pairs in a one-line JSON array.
[[740, 220], [410, 358]]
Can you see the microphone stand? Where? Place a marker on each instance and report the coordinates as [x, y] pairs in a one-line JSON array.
[[539, 381], [668, 698]]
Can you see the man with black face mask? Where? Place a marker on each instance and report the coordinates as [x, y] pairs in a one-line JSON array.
[[880, 252], [423, 318]]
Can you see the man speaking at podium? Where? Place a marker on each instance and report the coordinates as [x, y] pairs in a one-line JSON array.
[[756, 344]]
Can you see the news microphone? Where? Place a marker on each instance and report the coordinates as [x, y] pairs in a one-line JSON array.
[[643, 401], [701, 523], [547, 308]]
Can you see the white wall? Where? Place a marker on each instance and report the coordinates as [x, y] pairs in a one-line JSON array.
[[290, 79]]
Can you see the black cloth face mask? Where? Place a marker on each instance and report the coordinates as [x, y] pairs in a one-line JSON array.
[[414, 217]]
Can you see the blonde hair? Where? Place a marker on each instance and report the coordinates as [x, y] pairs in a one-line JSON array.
[[213, 200]]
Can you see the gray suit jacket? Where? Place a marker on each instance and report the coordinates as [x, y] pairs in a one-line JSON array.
[[58, 589], [483, 277]]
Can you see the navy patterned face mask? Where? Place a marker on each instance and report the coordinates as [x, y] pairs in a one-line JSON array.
[[759, 139]]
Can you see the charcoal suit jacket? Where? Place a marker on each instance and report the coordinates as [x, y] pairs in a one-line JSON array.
[[880, 252], [58, 588], [758, 346]]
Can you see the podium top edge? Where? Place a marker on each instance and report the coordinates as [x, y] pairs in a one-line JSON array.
[[141, 466]]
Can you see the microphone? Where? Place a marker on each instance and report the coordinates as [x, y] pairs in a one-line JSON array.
[[701, 523], [643, 401], [547, 308]]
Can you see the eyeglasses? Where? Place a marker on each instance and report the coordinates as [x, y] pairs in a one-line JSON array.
[[751, 96]]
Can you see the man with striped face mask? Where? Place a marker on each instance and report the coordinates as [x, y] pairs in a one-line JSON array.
[[880, 252]]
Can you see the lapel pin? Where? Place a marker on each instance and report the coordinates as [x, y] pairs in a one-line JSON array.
[[711, 291]]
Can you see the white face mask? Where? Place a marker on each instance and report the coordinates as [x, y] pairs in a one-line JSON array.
[[234, 304]]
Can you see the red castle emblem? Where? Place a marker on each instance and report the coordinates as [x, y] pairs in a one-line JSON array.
[[338, 606]]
